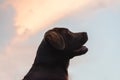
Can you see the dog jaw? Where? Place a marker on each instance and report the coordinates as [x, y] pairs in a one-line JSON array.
[[82, 50]]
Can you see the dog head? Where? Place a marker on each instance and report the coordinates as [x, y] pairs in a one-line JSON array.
[[64, 40]]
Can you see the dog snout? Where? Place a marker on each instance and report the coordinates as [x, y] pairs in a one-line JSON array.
[[83, 34]]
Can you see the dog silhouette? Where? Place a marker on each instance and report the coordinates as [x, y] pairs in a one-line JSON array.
[[54, 53]]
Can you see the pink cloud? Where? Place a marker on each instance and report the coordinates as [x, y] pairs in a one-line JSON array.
[[30, 17]]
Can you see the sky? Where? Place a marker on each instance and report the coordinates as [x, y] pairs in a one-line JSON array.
[[24, 22]]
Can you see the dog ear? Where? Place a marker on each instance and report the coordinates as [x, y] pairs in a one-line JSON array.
[[55, 39]]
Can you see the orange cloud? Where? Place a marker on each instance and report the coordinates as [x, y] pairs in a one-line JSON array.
[[30, 17], [34, 15]]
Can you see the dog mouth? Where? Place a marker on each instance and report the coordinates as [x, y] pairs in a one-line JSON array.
[[82, 50]]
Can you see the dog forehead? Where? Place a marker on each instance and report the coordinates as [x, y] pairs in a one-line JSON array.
[[60, 29]]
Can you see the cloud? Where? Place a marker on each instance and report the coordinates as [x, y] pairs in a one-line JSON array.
[[16, 61], [30, 17], [34, 15]]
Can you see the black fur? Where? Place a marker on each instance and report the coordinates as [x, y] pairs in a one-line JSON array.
[[56, 49]]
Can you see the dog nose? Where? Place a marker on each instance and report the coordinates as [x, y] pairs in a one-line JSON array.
[[85, 36], [84, 33]]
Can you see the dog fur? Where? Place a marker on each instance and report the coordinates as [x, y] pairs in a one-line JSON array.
[[54, 53]]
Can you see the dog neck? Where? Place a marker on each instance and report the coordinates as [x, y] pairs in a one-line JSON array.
[[44, 57], [45, 63]]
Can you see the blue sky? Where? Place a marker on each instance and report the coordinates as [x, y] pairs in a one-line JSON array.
[[102, 61]]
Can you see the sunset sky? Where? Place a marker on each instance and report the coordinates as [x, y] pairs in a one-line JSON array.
[[24, 22]]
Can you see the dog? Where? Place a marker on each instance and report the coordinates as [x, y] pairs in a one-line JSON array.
[[54, 53]]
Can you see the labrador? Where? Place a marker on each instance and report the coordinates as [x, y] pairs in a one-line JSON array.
[[54, 53]]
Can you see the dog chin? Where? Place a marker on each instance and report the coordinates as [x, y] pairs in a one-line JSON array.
[[82, 50]]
